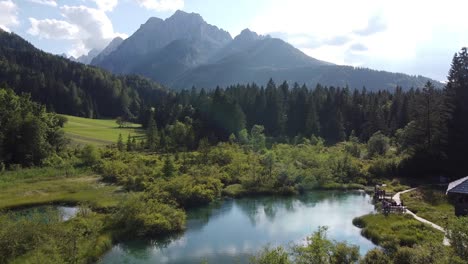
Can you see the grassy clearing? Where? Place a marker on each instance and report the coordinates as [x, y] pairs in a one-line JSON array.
[[98, 131], [394, 186], [431, 203], [28, 187], [394, 229]]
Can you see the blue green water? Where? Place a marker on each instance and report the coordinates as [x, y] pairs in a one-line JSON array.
[[61, 213], [232, 230]]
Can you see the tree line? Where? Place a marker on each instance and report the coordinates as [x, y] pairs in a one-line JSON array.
[[427, 123]]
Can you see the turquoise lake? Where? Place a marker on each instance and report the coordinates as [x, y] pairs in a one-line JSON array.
[[232, 230]]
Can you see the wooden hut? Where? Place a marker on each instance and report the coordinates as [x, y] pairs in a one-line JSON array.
[[457, 192]]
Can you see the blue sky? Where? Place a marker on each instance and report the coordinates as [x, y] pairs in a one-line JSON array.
[[414, 37]]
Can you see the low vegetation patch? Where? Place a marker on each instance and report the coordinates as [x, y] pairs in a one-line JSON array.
[[35, 186], [393, 186], [393, 230], [430, 203], [33, 240]]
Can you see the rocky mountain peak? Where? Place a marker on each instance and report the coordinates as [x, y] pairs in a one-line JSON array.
[[248, 35], [184, 16]]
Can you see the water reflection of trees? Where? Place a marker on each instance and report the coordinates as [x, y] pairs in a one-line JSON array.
[[252, 206], [271, 205], [142, 249], [197, 218]]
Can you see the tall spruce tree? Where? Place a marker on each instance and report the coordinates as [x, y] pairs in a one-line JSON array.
[[456, 106], [152, 138], [428, 115], [130, 146], [120, 144]]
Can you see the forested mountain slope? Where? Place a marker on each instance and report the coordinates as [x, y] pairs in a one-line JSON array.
[[72, 88]]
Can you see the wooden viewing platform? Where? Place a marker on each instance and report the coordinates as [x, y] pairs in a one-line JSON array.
[[392, 207], [389, 205]]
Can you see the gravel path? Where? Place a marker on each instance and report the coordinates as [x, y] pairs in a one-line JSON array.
[[397, 199]]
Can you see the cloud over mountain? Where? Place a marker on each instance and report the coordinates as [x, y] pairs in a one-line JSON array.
[[8, 15], [161, 5], [88, 28]]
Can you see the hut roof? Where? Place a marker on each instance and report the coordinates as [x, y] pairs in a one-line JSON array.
[[458, 186]]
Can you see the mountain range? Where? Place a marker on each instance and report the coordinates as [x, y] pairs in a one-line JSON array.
[[183, 51]]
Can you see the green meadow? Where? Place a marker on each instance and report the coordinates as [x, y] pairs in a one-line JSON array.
[[431, 203], [98, 131], [36, 186]]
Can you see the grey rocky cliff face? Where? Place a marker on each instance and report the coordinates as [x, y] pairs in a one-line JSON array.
[[157, 34], [86, 59], [113, 45]]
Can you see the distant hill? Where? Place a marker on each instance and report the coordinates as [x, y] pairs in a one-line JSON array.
[[73, 88], [184, 51], [224, 74]]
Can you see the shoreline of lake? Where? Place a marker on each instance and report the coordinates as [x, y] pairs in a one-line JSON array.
[[263, 220]]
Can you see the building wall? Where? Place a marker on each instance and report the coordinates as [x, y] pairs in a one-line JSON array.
[[460, 201]]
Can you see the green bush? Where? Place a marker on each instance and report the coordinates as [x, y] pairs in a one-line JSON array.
[[142, 216], [376, 256], [359, 222], [234, 190], [271, 256], [90, 155], [42, 238], [378, 144]]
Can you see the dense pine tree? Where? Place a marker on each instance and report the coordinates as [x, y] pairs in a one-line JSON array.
[[456, 107], [152, 137]]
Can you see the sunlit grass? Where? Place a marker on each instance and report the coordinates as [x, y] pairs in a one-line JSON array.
[[430, 203], [28, 187], [395, 228], [98, 131]]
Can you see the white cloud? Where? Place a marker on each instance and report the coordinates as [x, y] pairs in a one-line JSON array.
[[96, 29], [106, 5], [88, 28], [8, 14], [396, 33], [374, 25], [53, 29], [358, 47], [45, 2], [161, 5]]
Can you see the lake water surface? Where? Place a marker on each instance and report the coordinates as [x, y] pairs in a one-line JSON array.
[[232, 230], [64, 213]]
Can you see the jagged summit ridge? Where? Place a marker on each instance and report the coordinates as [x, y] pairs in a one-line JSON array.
[[184, 50]]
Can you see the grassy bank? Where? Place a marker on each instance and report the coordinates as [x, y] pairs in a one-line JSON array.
[[98, 131], [396, 230], [431, 203], [28, 187]]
